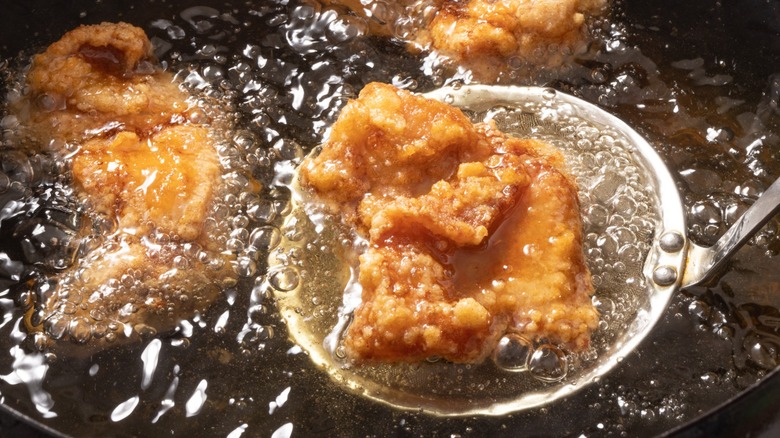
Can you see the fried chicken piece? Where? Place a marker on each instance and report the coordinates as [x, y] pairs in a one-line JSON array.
[[165, 179], [98, 78], [431, 137], [126, 288], [472, 234], [486, 36], [138, 162]]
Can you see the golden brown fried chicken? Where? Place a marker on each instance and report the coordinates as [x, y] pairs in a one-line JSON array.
[[165, 179], [487, 36], [97, 78], [472, 234], [138, 163]]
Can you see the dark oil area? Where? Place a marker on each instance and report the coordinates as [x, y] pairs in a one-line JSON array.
[[701, 80]]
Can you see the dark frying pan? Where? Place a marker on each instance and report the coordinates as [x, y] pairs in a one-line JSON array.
[[739, 39]]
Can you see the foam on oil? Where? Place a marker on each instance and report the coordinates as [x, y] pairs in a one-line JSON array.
[[285, 69]]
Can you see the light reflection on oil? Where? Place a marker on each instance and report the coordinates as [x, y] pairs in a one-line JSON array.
[[715, 124]]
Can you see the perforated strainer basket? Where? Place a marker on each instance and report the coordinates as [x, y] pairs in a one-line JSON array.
[[635, 243]]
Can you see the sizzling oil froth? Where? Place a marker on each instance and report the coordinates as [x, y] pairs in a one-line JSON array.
[[285, 70]]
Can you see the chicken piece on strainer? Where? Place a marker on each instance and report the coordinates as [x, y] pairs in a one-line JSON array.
[[472, 234]]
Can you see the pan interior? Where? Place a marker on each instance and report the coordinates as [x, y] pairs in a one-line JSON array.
[[313, 271], [708, 106]]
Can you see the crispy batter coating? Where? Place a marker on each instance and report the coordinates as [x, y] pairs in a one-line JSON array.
[[487, 36], [472, 233], [166, 179], [431, 137], [100, 77], [138, 163]]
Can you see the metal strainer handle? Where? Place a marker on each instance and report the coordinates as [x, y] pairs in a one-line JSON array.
[[703, 263]]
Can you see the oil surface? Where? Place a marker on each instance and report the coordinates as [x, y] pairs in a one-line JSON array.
[[285, 68]]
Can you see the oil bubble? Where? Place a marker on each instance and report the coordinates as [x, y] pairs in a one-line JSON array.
[[709, 378], [265, 238], [548, 363], [630, 253], [733, 212], [597, 215], [608, 244], [604, 305], [625, 205], [257, 313], [17, 167], [512, 353], [235, 245], [344, 29], [763, 354], [293, 231], [285, 279], [99, 329], [245, 267], [55, 326], [79, 329], [607, 185], [40, 341], [705, 212], [725, 332], [699, 309]]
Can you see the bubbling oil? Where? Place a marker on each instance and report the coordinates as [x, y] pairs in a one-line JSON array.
[[712, 343]]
